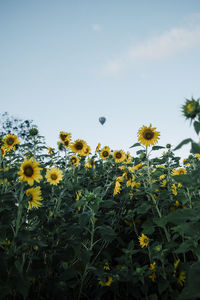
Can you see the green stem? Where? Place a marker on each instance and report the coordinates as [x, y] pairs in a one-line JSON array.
[[19, 212]]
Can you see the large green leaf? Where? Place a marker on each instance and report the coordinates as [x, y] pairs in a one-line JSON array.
[[184, 142]]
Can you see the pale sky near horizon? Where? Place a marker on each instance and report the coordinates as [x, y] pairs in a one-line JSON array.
[[64, 64]]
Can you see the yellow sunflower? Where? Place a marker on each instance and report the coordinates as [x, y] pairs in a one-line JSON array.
[[97, 148], [88, 150], [67, 142], [105, 152], [107, 283], [148, 136], [35, 197], [10, 141], [119, 156], [54, 176], [64, 135], [180, 171], [3, 151], [29, 171], [144, 240], [74, 160], [79, 146]]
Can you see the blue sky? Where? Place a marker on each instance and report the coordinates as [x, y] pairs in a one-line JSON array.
[[66, 63]]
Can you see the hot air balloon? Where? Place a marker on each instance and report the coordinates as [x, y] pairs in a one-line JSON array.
[[102, 120]]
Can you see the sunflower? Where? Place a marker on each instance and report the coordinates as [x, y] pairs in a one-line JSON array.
[[35, 197], [67, 142], [64, 135], [180, 275], [29, 171], [191, 108], [97, 148], [119, 156], [74, 160], [88, 150], [79, 146], [105, 152], [144, 240], [3, 151], [180, 171], [107, 283], [54, 176], [148, 136], [10, 141]]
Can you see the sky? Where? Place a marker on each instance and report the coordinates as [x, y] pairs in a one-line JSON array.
[[64, 64]]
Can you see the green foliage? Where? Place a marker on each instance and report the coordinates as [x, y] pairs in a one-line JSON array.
[[84, 242]]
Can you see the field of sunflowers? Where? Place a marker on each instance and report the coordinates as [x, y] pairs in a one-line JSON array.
[[79, 225]]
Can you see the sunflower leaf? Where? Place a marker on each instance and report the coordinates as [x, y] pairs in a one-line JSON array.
[[157, 147], [135, 145], [184, 142], [195, 148], [196, 126]]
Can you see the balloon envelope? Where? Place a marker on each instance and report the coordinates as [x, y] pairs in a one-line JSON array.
[[102, 120]]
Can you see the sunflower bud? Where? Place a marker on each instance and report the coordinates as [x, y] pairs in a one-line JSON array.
[[142, 156], [168, 146], [191, 108], [33, 131]]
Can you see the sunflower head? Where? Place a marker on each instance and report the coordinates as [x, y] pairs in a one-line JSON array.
[[97, 148], [74, 160], [66, 143], [30, 171], [179, 171], [191, 108], [33, 131], [148, 136], [144, 240], [88, 150], [34, 197], [64, 135], [79, 147], [54, 176], [119, 156], [10, 141], [105, 152]]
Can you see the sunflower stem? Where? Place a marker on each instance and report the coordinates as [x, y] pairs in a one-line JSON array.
[[19, 212]]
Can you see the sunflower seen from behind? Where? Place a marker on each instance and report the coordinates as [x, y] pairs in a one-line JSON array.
[[54, 176], [30, 171], [148, 136], [79, 147], [35, 197], [10, 141], [105, 152]]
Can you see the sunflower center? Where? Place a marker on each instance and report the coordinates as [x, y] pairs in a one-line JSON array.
[[118, 155], [73, 160], [54, 176], [190, 107], [148, 135], [10, 141], [79, 146], [105, 153], [63, 137], [145, 241], [28, 171], [66, 143]]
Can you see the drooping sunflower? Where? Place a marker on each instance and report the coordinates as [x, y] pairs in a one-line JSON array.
[[64, 135], [119, 156], [79, 146], [74, 160], [105, 152], [30, 171], [148, 136], [35, 197], [10, 141], [144, 240], [54, 176]]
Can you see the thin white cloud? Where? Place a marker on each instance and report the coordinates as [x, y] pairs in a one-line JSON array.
[[165, 45], [97, 27]]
